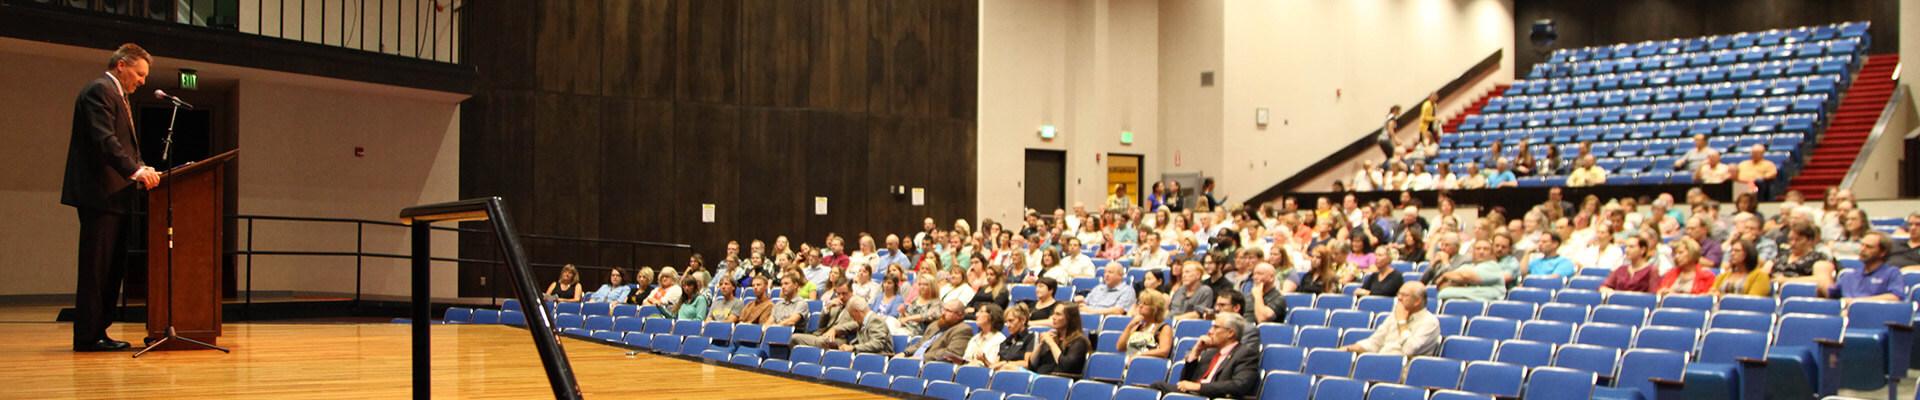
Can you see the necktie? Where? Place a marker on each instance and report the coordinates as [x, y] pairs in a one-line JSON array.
[[126, 113], [1213, 367]]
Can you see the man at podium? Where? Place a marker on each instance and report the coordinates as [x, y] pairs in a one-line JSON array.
[[103, 164]]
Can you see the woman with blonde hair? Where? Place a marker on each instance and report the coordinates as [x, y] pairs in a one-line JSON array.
[[1147, 335]]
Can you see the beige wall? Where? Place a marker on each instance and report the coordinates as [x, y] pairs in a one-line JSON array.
[[1329, 70], [297, 135], [1088, 67], [1191, 43]]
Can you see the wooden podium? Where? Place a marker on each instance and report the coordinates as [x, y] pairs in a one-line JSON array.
[[199, 201]]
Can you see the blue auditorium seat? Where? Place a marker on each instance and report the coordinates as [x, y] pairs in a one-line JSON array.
[[1554, 332], [1329, 362], [1877, 343], [1600, 360], [1467, 348], [1638, 368], [1012, 382], [1560, 383], [1526, 353], [946, 390], [1379, 367], [1285, 385], [1605, 334], [1493, 378], [1680, 340], [1434, 372], [1337, 388], [1108, 367], [1389, 391], [977, 377], [1090, 390], [1679, 317], [1619, 314]]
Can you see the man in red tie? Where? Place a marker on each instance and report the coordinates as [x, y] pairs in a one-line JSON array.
[[103, 170], [1220, 365]]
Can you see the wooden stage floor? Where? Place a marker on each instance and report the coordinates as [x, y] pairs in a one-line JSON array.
[[362, 361]]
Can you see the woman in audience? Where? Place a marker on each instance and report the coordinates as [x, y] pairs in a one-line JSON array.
[[1552, 164], [1358, 251], [864, 285], [1524, 164], [1688, 276], [1062, 351], [1738, 274], [1396, 176], [1324, 275], [568, 287], [1090, 235], [924, 309], [642, 286], [760, 309], [890, 302], [668, 295], [1418, 178], [1444, 179], [1853, 227], [1381, 280], [984, 348], [903, 281], [695, 309], [727, 302], [1016, 267], [1045, 289], [1018, 342], [1639, 273], [1147, 335], [614, 291], [867, 255]]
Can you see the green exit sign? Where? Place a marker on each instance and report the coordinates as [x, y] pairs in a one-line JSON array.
[[189, 79], [1126, 137]]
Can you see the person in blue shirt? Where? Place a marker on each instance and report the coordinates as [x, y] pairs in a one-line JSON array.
[[1549, 262], [614, 291], [1502, 176], [1112, 296], [1877, 281]]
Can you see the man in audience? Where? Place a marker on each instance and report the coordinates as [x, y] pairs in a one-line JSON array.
[[1243, 264], [837, 246], [1713, 172], [1587, 173], [1695, 157], [792, 310], [1547, 261], [1484, 280], [1747, 227], [1190, 297], [1754, 171], [1445, 257], [1148, 254], [1113, 296], [1268, 305], [945, 340], [1502, 176], [760, 309], [894, 255], [1074, 263], [869, 333], [1877, 281], [1556, 195], [1701, 232], [1410, 331], [1803, 262], [1219, 365], [1907, 254], [926, 230], [1216, 266]]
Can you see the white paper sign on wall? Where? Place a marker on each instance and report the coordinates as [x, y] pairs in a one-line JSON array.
[[706, 213], [819, 205]]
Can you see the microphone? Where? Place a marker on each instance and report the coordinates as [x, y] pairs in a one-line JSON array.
[[162, 94]]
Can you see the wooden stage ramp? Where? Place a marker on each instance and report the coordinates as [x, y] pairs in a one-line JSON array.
[[362, 361]]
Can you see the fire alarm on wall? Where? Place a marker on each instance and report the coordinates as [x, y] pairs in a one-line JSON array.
[[359, 151]]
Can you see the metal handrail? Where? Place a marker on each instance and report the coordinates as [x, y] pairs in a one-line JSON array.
[[552, 356], [344, 24], [1887, 113]]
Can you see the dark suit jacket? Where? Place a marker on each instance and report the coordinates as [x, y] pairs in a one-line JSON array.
[[103, 152], [1239, 373]]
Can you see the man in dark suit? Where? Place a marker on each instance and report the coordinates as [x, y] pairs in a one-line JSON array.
[[103, 166], [1220, 365]]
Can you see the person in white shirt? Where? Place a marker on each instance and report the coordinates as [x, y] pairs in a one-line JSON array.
[[984, 348], [1149, 254], [863, 285], [1444, 179], [1363, 178], [1410, 331], [867, 255], [1419, 178], [1075, 263]]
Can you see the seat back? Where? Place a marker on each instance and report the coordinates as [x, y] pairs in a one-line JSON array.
[[1600, 360], [1679, 317], [1560, 383], [1493, 328], [1329, 362], [1434, 372], [1513, 310], [1389, 391], [1619, 315], [870, 363], [1337, 388], [1637, 366], [1554, 332], [1379, 367], [975, 377], [1741, 302], [1012, 382], [1285, 385], [1494, 378], [1467, 348], [1730, 345], [1144, 371], [903, 366], [1682, 340], [1090, 390], [1526, 353], [1281, 358], [1050, 387], [1106, 366], [1609, 335]]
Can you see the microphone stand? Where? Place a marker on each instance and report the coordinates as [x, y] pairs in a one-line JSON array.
[[166, 158]]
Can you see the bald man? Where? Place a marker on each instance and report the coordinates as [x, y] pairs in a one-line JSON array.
[[1410, 331]]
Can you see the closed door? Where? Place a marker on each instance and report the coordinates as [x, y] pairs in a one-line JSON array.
[[1046, 182]]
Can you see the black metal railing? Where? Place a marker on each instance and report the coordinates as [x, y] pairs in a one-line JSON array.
[[423, 29], [491, 209]]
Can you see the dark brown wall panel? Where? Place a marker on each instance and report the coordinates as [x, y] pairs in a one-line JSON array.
[[617, 119]]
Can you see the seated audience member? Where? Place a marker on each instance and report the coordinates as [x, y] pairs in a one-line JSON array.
[[945, 339], [859, 331], [1502, 176], [1688, 276], [993, 288], [1877, 281], [695, 309], [1757, 169], [1149, 255], [1713, 172], [1219, 364], [1325, 275], [1739, 273], [1906, 254], [1587, 173], [959, 286], [1113, 296], [863, 283], [614, 291], [1148, 334], [568, 287], [667, 297], [1381, 280], [1476, 178], [792, 309], [1266, 302], [1802, 262], [1444, 258], [727, 305], [1063, 350], [1484, 280], [924, 309], [891, 301], [1641, 273], [1700, 228], [642, 286], [761, 308], [1073, 263], [1190, 298], [1410, 331], [984, 348], [1151, 282], [1019, 341], [1548, 262], [1042, 308]]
